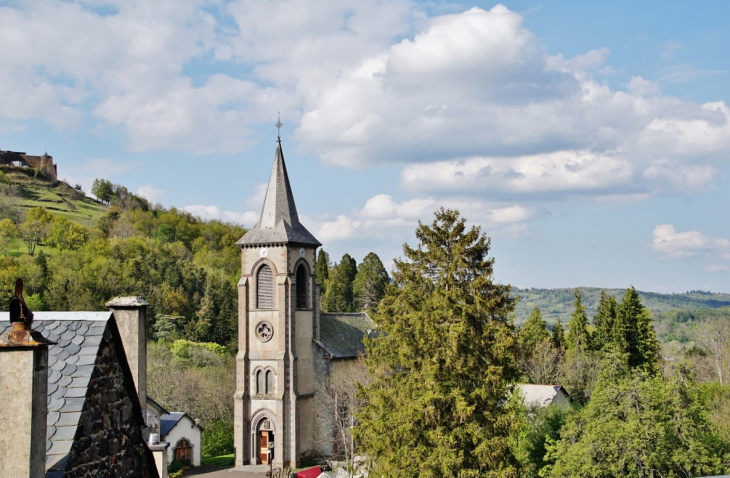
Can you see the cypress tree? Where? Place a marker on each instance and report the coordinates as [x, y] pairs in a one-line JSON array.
[[604, 321], [442, 364], [578, 336]]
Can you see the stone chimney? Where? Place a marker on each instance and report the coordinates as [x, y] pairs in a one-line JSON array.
[[23, 393], [130, 314]]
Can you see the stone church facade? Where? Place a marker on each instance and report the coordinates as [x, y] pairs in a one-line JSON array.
[[277, 323], [283, 353]]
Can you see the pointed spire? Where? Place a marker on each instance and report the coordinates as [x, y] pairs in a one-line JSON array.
[[279, 222]]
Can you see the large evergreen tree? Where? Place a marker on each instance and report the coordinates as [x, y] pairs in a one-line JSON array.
[[604, 321], [370, 282], [634, 333], [534, 331], [442, 362], [339, 296], [578, 337]]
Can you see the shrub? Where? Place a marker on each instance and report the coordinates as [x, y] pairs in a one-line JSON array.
[[217, 439], [174, 466]]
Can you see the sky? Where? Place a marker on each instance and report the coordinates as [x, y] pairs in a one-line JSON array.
[[589, 140]]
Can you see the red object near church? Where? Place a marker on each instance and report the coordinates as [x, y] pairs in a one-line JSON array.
[[310, 473]]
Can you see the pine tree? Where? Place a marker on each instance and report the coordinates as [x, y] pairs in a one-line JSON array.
[[339, 296], [369, 285], [604, 321], [558, 336], [578, 336], [442, 364], [635, 334], [323, 270], [534, 331]]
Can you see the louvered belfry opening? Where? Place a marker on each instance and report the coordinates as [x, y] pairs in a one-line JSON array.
[[301, 287], [265, 288]]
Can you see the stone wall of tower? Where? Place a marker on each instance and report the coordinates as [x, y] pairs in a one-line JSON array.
[[288, 354]]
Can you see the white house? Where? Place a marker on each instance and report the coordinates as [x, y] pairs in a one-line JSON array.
[[178, 429], [544, 395], [184, 436]]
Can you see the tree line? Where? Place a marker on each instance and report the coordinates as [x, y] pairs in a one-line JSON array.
[[346, 286], [440, 397]]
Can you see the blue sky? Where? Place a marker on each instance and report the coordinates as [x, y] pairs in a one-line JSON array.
[[590, 140]]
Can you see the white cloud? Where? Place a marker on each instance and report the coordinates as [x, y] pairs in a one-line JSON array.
[[150, 192], [716, 268], [247, 218], [367, 81], [675, 244], [383, 217]]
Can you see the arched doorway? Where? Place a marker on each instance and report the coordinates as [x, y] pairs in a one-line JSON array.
[[265, 441], [183, 452]]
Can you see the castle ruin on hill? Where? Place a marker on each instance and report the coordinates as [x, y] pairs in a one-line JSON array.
[[44, 164]]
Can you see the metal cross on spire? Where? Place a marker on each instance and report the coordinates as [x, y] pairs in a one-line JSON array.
[[278, 126]]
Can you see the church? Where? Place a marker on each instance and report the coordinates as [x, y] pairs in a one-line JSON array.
[[285, 344]]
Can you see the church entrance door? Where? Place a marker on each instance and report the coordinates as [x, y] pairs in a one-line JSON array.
[[264, 447]]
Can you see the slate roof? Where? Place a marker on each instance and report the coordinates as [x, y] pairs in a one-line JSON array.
[[279, 222], [70, 364], [341, 335], [168, 422]]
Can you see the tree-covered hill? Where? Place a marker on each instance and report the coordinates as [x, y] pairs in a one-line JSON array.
[[558, 303], [76, 254]]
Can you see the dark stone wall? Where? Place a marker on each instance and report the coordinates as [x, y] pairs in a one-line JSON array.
[[109, 440]]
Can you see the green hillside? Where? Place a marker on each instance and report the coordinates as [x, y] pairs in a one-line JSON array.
[[28, 189], [558, 303]]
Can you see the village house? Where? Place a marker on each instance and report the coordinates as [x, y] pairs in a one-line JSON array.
[[181, 431], [73, 389]]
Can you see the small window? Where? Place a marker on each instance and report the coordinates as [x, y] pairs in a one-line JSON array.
[[301, 287], [269, 382], [265, 288], [259, 382]]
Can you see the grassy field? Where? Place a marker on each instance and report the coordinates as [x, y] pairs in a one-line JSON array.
[[57, 197]]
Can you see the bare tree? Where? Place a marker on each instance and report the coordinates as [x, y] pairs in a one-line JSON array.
[[714, 337], [336, 405], [543, 366]]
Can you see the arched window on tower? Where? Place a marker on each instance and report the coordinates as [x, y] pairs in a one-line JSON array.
[[259, 382], [269, 382], [265, 288], [301, 286]]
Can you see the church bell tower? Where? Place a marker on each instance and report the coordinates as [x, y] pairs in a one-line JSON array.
[[278, 299]]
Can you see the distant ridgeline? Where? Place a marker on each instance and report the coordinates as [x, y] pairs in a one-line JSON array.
[[558, 303], [44, 164]]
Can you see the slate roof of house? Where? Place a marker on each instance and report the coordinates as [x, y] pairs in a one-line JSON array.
[[279, 221], [70, 363], [540, 395], [341, 335], [168, 422]]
